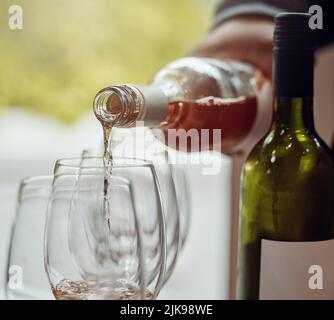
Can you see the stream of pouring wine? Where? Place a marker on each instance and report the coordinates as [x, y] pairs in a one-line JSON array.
[[108, 162]]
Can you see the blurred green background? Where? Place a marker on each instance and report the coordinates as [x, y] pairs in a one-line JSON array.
[[69, 49]]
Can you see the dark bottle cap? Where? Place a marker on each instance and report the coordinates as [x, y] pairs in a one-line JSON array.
[[292, 31], [293, 56]]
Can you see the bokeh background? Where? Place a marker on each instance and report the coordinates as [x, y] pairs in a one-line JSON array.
[[68, 49]]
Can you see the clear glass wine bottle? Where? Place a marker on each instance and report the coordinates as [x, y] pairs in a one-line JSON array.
[[198, 103]]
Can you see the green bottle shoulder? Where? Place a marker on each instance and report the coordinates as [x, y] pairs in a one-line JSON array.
[[291, 151]]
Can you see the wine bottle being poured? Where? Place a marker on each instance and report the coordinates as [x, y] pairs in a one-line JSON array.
[[198, 103]]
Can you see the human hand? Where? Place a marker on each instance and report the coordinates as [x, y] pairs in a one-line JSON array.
[[248, 39], [243, 38]]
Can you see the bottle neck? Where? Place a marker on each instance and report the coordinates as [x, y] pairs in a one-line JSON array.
[[293, 88], [124, 105], [294, 114]]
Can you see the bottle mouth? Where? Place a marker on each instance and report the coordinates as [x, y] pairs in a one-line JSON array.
[[118, 105]]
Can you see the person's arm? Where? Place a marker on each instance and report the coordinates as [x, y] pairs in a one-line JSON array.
[[232, 8], [243, 30], [246, 38]]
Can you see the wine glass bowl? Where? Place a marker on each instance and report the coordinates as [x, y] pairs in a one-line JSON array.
[[126, 243], [171, 184], [26, 278], [147, 200], [82, 256]]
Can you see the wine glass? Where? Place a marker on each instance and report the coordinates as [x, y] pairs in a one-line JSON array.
[[26, 278], [183, 198], [122, 259], [147, 200], [174, 185], [89, 270], [171, 205], [175, 198]]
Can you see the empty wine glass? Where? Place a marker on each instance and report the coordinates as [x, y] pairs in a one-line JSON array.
[[175, 197], [183, 199], [26, 277], [171, 208], [175, 192]]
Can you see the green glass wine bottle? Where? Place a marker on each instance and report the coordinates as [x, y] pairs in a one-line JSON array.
[[287, 186]]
